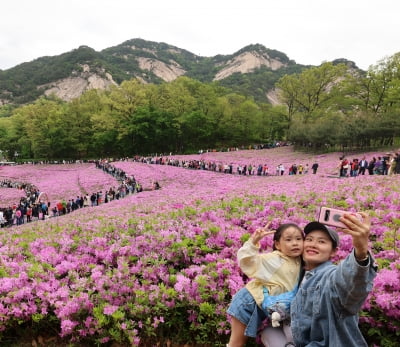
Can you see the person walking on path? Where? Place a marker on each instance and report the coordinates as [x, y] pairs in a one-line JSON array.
[[314, 168]]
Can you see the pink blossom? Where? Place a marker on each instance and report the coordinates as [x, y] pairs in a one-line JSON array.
[[67, 326], [110, 309]]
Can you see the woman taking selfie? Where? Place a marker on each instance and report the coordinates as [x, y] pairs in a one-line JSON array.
[[325, 309]]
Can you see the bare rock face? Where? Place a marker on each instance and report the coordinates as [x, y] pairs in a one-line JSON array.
[[247, 62], [167, 72], [273, 97], [74, 86]]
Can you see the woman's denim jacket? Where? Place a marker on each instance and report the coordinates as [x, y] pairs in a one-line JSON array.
[[325, 309]]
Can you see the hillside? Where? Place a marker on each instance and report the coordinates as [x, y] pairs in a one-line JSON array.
[[253, 70]]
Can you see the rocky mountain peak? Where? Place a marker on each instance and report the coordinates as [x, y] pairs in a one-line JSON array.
[[72, 73]]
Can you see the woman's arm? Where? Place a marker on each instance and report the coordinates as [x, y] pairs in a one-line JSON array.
[[354, 275], [359, 231]]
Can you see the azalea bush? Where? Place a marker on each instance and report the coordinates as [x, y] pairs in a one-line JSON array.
[[160, 266]]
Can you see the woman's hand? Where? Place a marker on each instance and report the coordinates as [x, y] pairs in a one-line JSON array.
[[359, 231], [260, 233]]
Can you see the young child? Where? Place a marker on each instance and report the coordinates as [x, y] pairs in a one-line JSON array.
[[274, 281]]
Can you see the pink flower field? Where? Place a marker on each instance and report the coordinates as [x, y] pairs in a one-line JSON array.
[[58, 181], [10, 196], [133, 270]]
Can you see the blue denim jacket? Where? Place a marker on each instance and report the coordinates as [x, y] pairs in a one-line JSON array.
[[325, 309]]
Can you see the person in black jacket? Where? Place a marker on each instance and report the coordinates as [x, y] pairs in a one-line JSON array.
[[371, 166], [362, 166], [314, 168]]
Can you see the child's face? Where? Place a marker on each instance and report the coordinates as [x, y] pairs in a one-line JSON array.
[[291, 242]]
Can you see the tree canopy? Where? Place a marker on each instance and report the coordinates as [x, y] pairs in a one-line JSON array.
[[321, 107], [334, 105]]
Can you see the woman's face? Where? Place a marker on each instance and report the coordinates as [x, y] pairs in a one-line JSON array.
[[318, 248], [291, 242]]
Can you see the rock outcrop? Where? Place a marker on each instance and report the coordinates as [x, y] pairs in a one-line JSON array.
[[167, 72], [74, 86], [273, 97], [248, 62]]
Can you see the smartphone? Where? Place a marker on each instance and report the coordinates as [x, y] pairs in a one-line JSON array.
[[330, 216]]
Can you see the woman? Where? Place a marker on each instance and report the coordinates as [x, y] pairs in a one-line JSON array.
[[325, 309], [392, 165]]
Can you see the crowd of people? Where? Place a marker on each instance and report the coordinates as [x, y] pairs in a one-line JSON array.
[[28, 208], [31, 207], [228, 168], [35, 205], [387, 164]]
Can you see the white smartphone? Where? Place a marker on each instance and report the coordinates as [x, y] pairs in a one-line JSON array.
[[330, 216]]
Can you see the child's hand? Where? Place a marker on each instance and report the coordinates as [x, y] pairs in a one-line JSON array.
[[260, 233]]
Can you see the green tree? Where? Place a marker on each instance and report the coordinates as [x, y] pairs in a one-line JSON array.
[[374, 98], [122, 103], [41, 130], [80, 128], [274, 123], [313, 91], [5, 138], [198, 131], [239, 119]]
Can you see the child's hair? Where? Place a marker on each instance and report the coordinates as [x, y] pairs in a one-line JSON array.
[[278, 233]]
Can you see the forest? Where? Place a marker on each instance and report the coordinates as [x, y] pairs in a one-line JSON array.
[[330, 106]]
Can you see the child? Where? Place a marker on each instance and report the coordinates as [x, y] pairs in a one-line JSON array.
[[272, 274]]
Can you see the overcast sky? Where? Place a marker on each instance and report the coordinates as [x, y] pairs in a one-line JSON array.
[[307, 31]]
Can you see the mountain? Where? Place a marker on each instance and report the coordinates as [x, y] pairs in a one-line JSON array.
[[253, 70]]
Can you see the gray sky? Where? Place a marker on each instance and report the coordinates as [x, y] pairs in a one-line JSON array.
[[307, 31]]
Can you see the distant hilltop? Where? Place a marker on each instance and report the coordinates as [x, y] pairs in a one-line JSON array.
[[253, 70]]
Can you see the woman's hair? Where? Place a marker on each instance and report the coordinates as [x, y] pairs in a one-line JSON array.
[[278, 233]]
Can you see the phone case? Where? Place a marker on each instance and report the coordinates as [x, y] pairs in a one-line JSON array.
[[330, 216]]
